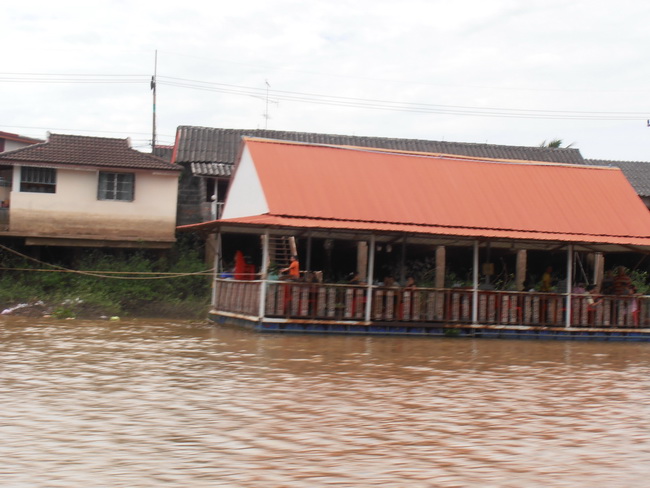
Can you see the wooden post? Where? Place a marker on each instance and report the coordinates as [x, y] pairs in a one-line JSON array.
[[441, 252], [475, 284], [569, 284], [264, 275], [362, 260], [520, 275], [371, 267], [402, 264]]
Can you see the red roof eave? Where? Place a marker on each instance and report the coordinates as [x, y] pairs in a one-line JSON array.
[[433, 230]]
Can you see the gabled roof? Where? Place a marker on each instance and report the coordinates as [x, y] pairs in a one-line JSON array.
[[637, 173], [18, 138], [70, 150], [289, 184], [213, 145]]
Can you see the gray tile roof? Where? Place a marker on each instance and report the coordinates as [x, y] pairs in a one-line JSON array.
[[213, 145], [637, 173], [61, 149]]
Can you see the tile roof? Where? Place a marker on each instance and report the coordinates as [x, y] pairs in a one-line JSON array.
[[215, 145], [437, 195], [637, 173], [18, 138], [70, 150]]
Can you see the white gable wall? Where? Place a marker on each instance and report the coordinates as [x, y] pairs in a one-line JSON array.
[[245, 195]]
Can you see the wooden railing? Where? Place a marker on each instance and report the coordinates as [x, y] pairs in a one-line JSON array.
[[238, 296], [323, 301]]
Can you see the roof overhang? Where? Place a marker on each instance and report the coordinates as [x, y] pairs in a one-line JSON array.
[[418, 234]]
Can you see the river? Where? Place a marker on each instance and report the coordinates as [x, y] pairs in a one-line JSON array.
[[172, 403]]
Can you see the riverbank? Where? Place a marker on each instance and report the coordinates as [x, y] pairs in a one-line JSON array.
[[101, 283], [78, 309]]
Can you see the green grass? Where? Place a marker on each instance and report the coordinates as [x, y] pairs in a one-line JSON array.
[[71, 295]]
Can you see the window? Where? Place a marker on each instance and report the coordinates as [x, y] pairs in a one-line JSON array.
[[116, 186], [38, 180]]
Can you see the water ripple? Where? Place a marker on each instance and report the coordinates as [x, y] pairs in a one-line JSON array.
[[150, 403]]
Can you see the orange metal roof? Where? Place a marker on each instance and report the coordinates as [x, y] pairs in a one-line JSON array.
[[360, 188]]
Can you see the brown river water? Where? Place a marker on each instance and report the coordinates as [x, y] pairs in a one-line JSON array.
[[163, 403]]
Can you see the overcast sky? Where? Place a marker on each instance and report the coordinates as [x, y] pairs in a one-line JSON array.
[[514, 72]]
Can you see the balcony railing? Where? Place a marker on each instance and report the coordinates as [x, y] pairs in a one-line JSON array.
[[324, 301]]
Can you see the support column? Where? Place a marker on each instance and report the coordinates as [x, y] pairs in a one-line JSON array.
[[475, 285], [441, 260], [599, 270], [264, 275], [402, 262], [520, 274], [217, 266], [371, 268], [362, 260], [569, 284], [308, 263]]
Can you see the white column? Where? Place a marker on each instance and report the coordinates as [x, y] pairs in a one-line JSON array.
[[475, 285], [264, 274], [216, 267], [599, 270], [569, 284], [371, 277]]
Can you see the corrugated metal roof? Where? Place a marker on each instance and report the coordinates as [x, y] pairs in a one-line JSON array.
[[212, 169], [637, 173], [215, 145], [413, 230], [388, 191], [62, 149]]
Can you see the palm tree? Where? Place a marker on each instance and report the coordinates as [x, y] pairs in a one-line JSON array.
[[554, 144]]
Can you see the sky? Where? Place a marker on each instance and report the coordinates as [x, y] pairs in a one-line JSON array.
[[513, 72]]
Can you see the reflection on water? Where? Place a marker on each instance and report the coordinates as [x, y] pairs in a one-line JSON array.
[[151, 403]]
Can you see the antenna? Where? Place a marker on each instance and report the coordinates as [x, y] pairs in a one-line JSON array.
[[153, 88], [266, 112]]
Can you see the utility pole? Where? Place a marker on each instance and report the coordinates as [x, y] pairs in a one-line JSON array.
[[153, 88]]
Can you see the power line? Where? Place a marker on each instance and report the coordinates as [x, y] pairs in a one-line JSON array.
[[321, 99], [377, 104]]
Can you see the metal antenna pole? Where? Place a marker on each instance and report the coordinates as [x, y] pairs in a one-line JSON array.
[[153, 87], [266, 113]]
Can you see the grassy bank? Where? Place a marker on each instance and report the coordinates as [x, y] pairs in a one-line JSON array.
[[98, 283]]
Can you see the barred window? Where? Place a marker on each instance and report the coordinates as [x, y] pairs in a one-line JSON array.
[[37, 180], [116, 186]]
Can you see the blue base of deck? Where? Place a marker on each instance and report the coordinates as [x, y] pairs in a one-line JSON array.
[[435, 330]]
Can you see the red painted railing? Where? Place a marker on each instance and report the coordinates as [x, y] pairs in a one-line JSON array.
[[324, 301]]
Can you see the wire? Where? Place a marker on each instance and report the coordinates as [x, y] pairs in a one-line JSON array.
[[378, 104], [320, 99], [102, 274]]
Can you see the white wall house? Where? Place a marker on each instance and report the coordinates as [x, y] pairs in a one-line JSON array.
[[87, 191]]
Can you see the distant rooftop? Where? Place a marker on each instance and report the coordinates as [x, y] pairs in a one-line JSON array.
[[208, 146], [637, 173], [62, 149]]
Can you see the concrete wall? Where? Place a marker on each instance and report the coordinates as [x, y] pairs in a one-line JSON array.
[[75, 211]]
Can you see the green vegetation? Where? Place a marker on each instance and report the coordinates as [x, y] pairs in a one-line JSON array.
[[109, 283]]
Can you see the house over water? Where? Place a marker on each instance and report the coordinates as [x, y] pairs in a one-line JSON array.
[[88, 192], [376, 198]]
